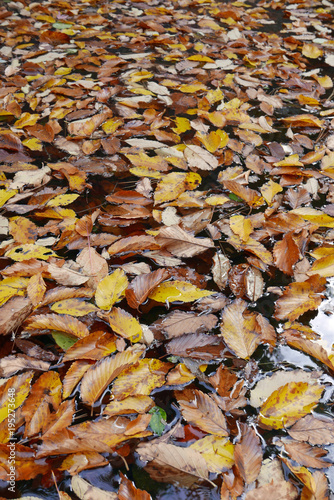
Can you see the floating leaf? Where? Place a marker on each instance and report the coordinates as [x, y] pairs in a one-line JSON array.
[[217, 451], [288, 404], [111, 289], [99, 376], [181, 291], [238, 328], [199, 409]]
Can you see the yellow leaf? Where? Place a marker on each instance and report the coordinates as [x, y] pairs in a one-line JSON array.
[[132, 404], [289, 161], [182, 125], [62, 200], [13, 393], [216, 199], [201, 58], [323, 266], [26, 120], [30, 251], [325, 81], [6, 194], [33, 144], [125, 324], [311, 51], [315, 216], [111, 289], [269, 190], [218, 452], [238, 329], [146, 172], [137, 76], [174, 184], [111, 125], [192, 88], [181, 291], [73, 307], [141, 379], [241, 226], [212, 141], [142, 160], [288, 404], [36, 289], [12, 286]]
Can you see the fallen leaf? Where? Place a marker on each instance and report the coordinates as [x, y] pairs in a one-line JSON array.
[[288, 404], [238, 329]]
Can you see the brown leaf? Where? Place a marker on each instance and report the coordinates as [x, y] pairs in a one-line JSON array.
[[172, 464], [99, 376], [315, 430], [45, 392], [181, 243], [286, 254], [178, 323], [97, 345], [133, 245], [299, 298], [59, 420], [274, 491], [141, 287], [199, 409], [248, 454], [11, 364], [13, 313], [305, 454], [196, 345], [128, 491]]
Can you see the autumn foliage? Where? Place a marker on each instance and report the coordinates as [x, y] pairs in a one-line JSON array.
[[167, 226]]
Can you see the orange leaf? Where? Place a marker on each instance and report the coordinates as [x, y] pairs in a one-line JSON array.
[[299, 298], [44, 393], [99, 376], [63, 323], [286, 254]]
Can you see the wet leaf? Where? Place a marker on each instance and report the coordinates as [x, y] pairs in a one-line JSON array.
[[288, 404], [111, 289], [238, 328], [100, 375], [199, 409], [180, 291]]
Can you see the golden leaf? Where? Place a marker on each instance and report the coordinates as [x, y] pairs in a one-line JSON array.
[[288, 404], [182, 291], [140, 379], [73, 307], [238, 329], [111, 289], [30, 251], [217, 451], [125, 324]]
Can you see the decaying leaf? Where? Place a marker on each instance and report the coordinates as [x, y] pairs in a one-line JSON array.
[[289, 403]]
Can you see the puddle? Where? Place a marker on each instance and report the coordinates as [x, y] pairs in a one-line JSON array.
[[323, 323]]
